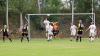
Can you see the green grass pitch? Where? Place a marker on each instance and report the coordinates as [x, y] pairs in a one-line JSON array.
[[57, 47]]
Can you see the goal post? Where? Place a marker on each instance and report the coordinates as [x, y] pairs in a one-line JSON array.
[[59, 14]]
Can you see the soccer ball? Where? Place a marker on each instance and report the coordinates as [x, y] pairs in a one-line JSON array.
[[48, 14]]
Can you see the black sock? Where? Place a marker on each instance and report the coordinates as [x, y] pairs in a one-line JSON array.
[[10, 39], [3, 39], [21, 39], [28, 39], [80, 39], [77, 38]]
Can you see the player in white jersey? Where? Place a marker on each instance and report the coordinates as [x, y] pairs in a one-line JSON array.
[[73, 30], [92, 32], [50, 31], [46, 23]]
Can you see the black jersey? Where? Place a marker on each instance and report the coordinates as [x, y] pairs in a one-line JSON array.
[[80, 27], [24, 30], [5, 32]]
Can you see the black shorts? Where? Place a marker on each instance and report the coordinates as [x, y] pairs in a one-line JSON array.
[[55, 32], [80, 32], [5, 34], [24, 34]]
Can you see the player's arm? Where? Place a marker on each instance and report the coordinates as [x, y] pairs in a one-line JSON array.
[[87, 29], [95, 29], [7, 30], [70, 28], [27, 28], [1, 30], [43, 22]]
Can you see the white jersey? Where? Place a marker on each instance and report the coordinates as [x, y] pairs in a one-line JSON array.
[[73, 30], [50, 29], [46, 22], [92, 28]]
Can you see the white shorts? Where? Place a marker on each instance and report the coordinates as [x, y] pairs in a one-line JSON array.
[[50, 33], [92, 34], [46, 28], [73, 33]]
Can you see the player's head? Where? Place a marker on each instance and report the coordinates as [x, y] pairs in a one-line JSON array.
[[51, 23], [5, 26], [92, 23], [26, 24], [46, 18], [71, 24], [80, 21], [57, 23]]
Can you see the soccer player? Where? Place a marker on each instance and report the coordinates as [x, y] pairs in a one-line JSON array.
[[73, 30], [46, 23], [92, 32], [50, 31], [55, 29], [25, 32], [80, 31], [5, 31]]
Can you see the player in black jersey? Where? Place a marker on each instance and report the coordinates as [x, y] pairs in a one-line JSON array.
[[80, 31], [25, 32], [5, 31]]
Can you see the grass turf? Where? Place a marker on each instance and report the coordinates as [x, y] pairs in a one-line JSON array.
[[57, 47]]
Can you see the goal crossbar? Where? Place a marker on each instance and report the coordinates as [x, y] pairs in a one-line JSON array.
[[63, 14]]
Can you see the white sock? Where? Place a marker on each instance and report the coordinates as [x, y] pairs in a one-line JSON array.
[[46, 34], [50, 37], [92, 39]]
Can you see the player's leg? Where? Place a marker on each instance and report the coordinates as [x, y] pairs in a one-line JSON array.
[[81, 34], [90, 36], [71, 36], [22, 37], [3, 38], [27, 37], [51, 36], [7, 35], [46, 32], [9, 38], [80, 38], [48, 37], [78, 35], [93, 37], [54, 33], [77, 38]]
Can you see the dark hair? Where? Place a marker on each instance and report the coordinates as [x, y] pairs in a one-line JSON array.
[[51, 24]]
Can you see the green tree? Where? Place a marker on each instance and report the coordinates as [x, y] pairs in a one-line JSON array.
[[83, 5], [22, 6], [52, 6]]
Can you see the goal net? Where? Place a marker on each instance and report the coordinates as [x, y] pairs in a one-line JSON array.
[[36, 27]]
